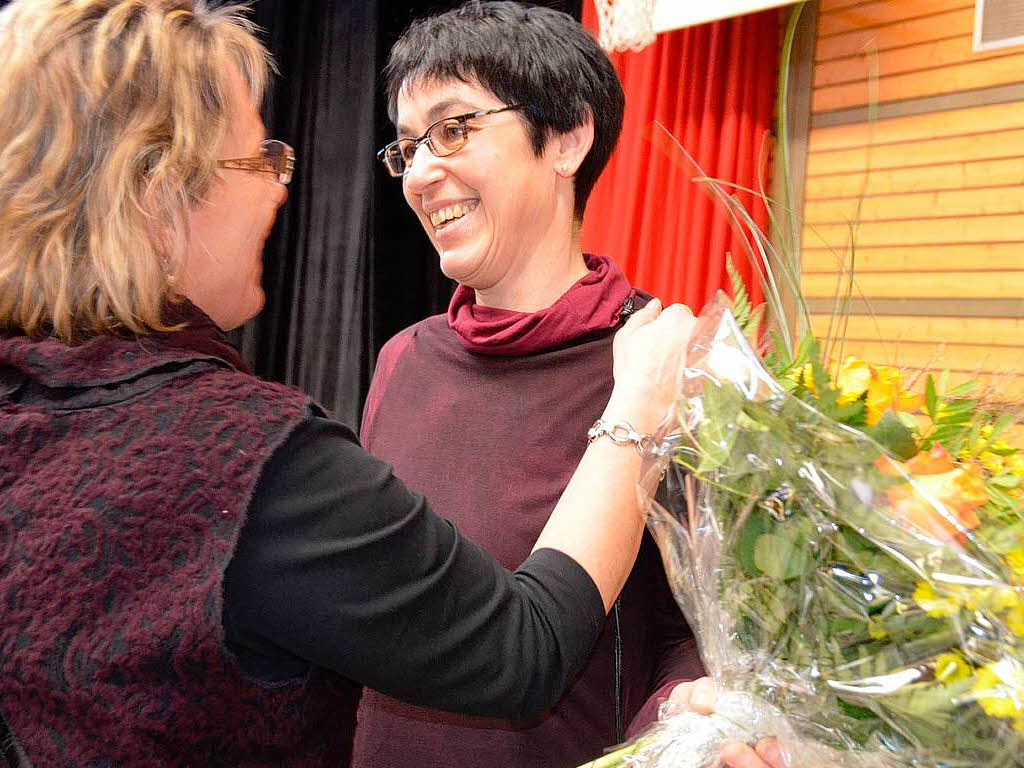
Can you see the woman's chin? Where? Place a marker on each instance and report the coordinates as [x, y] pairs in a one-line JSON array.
[[459, 265]]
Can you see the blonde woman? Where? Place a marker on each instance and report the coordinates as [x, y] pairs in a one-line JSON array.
[[196, 566]]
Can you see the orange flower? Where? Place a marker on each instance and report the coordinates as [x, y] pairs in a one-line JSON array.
[[944, 497], [933, 462]]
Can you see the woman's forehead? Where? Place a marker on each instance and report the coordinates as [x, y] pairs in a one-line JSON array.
[[430, 99]]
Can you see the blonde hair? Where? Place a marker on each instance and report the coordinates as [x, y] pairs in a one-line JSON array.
[[111, 110]]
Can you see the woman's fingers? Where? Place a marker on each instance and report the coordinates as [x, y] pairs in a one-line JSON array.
[[770, 751], [767, 754], [647, 354], [645, 314], [739, 755], [700, 697], [695, 696], [703, 696]]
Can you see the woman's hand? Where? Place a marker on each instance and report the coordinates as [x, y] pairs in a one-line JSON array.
[[649, 352], [700, 696]]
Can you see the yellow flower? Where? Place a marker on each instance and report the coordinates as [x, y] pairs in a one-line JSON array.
[[997, 599], [951, 668], [1015, 463], [852, 380], [994, 463], [935, 606], [1015, 559], [885, 392], [999, 689], [1015, 620], [876, 630]]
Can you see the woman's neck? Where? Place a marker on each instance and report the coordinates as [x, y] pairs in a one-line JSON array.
[[540, 280]]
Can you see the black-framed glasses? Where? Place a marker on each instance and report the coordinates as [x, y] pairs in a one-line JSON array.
[[275, 157], [447, 135]]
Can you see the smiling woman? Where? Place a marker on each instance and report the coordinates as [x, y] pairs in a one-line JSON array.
[[505, 116]]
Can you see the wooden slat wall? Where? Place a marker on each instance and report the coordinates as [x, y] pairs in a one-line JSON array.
[[933, 201]]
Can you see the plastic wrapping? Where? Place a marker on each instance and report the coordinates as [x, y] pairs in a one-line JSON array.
[[857, 608]]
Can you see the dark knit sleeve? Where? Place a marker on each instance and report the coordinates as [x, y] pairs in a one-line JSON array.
[[339, 565]]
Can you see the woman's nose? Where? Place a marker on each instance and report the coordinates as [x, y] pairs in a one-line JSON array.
[[424, 171], [280, 194]]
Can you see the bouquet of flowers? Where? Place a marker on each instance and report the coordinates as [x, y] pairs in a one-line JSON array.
[[854, 574], [849, 555]]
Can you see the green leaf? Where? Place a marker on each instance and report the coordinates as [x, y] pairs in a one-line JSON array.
[[740, 299], [1006, 481], [779, 557], [853, 414], [718, 429], [854, 711], [756, 525], [963, 389], [907, 419], [931, 400], [893, 435], [1000, 425]]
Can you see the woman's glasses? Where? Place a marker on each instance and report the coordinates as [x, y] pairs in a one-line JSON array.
[[444, 137], [275, 157]]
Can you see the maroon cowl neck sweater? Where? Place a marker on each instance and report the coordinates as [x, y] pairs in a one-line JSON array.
[[486, 412], [126, 470]]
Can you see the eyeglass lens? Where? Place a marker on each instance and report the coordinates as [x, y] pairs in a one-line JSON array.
[[281, 157], [442, 139]]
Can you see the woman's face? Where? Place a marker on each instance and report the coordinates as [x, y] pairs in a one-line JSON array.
[[227, 228], [492, 204]]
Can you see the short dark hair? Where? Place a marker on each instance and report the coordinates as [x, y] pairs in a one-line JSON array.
[[530, 55]]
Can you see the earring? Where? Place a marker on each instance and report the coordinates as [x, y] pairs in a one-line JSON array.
[[564, 167]]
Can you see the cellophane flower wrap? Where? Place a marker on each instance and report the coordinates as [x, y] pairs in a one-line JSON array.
[[863, 610]]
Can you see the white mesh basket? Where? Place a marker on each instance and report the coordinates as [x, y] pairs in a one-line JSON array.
[[625, 25]]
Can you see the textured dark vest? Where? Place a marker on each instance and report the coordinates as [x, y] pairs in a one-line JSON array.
[[126, 469]]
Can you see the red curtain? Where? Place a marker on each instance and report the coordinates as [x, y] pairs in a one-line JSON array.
[[713, 87]]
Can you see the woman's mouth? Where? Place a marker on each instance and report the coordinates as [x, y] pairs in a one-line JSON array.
[[444, 217]]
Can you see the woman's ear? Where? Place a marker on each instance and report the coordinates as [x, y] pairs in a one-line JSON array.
[[571, 148]]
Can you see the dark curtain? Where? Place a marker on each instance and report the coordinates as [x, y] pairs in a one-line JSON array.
[[316, 329]]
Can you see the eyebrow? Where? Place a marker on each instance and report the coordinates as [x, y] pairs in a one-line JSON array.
[[440, 110]]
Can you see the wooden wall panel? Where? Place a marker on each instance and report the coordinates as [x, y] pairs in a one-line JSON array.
[[945, 257], [882, 13], [959, 122], [941, 26], [981, 144], [926, 285], [1000, 69], [981, 229], [1000, 172], [931, 196], [911, 58], [917, 205], [1005, 331]]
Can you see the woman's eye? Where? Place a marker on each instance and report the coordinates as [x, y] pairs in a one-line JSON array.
[[451, 132]]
